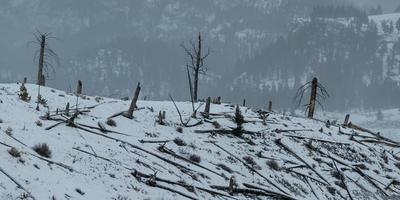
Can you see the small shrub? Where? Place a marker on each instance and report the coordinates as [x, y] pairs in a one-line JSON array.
[[179, 129], [273, 165], [331, 190], [337, 175], [39, 123], [249, 160], [111, 122], [179, 142], [9, 131], [42, 101], [195, 158], [14, 152], [23, 93], [216, 124], [43, 150]]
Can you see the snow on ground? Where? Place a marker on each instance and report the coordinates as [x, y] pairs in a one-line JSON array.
[[285, 157], [388, 125]]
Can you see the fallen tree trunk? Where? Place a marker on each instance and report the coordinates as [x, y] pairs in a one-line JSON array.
[[16, 183], [316, 139], [279, 143], [138, 174], [163, 149], [278, 195], [249, 167]]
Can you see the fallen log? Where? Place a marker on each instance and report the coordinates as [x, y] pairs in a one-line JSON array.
[[306, 176], [53, 162], [155, 184], [179, 166], [138, 174], [316, 139], [154, 141], [278, 195], [353, 126], [342, 179], [249, 167], [247, 191], [163, 149], [279, 143], [291, 130], [103, 130], [54, 125], [16, 183]]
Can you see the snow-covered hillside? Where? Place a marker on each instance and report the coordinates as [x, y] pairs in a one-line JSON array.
[[276, 157]]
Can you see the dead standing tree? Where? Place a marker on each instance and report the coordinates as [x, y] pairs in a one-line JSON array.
[[318, 93], [196, 62], [133, 106], [47, 59]]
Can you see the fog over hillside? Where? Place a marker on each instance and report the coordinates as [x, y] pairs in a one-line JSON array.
[[113, 44]]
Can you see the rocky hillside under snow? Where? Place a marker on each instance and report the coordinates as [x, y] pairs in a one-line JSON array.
[[279, 156]]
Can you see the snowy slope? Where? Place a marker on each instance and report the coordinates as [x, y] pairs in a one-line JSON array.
[[269, 160]]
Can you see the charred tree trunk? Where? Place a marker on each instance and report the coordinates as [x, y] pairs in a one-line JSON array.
[[207, 108], [129, 113], [197, 69], [40, 76], [270, 106], [313, 98], [346, 120]]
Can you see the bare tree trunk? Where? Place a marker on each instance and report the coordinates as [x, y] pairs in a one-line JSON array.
[[40, 79], [195, 87], [129, 113], [346, 120], [197, 68], [78, 92], [313, 98], [270, 106], [207, 107]]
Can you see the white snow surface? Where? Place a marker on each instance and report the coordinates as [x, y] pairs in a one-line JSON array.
[[110, 175]]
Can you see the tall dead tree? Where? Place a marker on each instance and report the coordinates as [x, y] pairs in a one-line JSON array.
[[78, 93], [45, 56], [40, 76], [313, 98], [270, 106], [133, 106], [318, 93], [196, 62]]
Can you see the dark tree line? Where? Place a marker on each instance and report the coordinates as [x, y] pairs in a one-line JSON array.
[[348, 57]]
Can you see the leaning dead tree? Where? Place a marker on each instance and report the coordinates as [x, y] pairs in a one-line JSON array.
[[133, 106], [318, 93], [196, 62]]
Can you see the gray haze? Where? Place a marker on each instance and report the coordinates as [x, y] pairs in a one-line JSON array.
[[113, 44]]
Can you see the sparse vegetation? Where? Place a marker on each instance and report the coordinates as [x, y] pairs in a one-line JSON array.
[[43, 150], [179, 142], [14, 152], [39, 123], [23, 93], [111, 122], [9, 131], [195, 158], [239, 120], [179, 129], [273, 165]]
